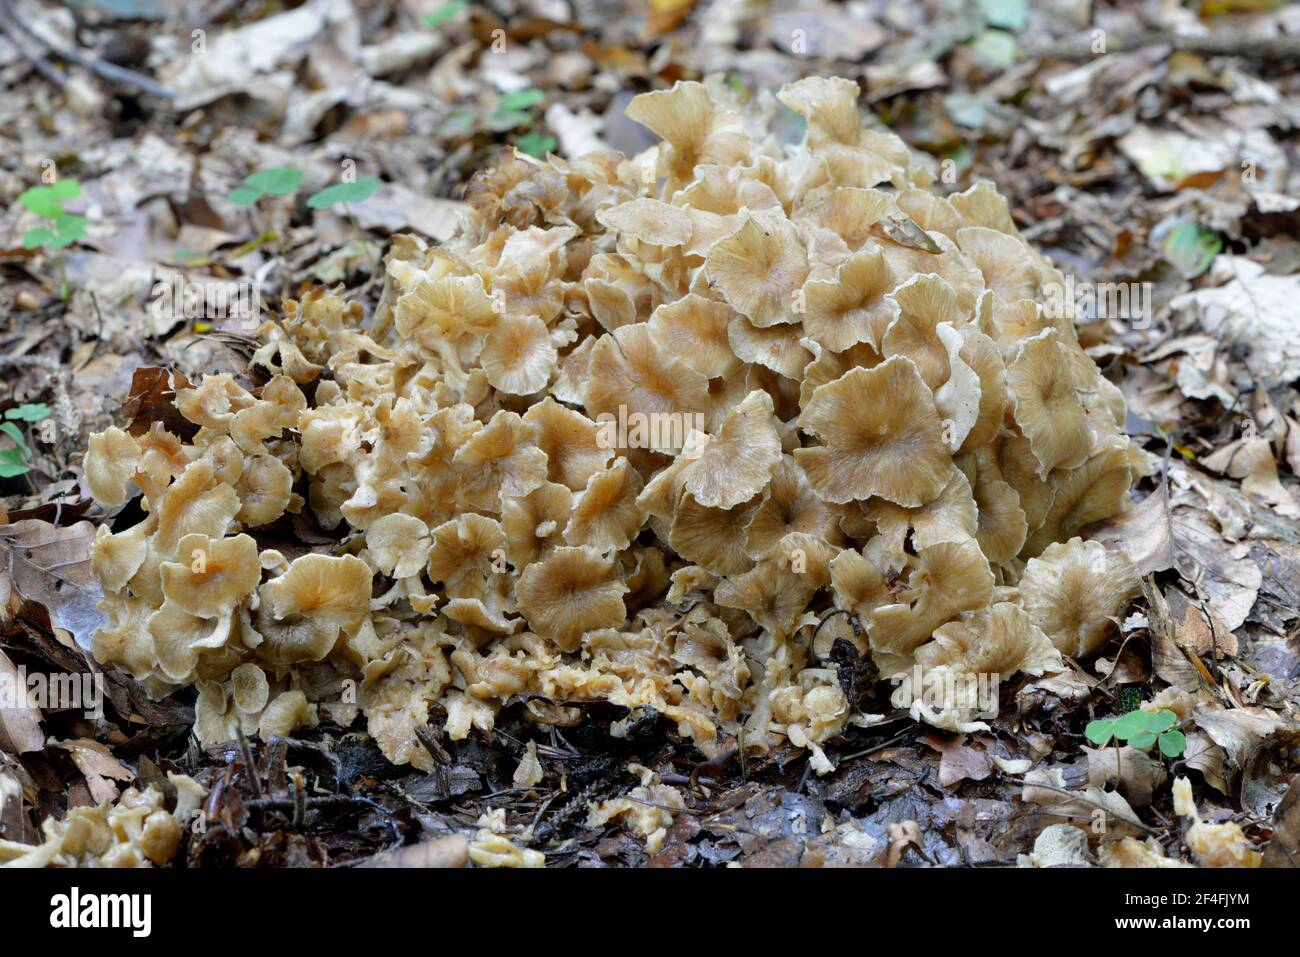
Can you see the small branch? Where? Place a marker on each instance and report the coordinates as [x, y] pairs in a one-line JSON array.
[[1234, 43], [13, 30], [101, 68]]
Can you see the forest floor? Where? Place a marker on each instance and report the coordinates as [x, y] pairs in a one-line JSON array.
[[1141, 143]]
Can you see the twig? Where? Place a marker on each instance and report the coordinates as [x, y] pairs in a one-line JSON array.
[[1235, 43], [12, 29], [101, 68]]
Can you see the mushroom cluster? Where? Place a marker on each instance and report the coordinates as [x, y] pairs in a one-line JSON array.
[[634, 436]]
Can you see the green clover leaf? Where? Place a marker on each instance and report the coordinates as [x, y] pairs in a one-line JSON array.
[[445, 13], [277, 181], [47, 201], [536, 144], [1173, 743], [355, 192], [1099, 732], [29, 412]]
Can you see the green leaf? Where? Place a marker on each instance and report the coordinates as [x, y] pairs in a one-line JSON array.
[[355, 192], [15, 433], [12, 464], [503, 121], [1008, 14], [1191, 249], [1099, 732], [536, 144], [278, 181], [1173, 743], [1162, 720], [521, 99], [445, 13], [48, 201], [36, 238], [1142, 740], [29, 412], [244, 196], [1131, 724], [67, 230]]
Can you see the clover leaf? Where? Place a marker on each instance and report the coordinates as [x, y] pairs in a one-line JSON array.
[[1141, 730], [357, 191]]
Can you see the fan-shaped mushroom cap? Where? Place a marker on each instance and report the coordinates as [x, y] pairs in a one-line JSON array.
[[466, 551], [779, 348], [945, 580], [923, 303], [695, 128], [1002, 527], [333, 590], [858, 585], [265, 491], [648, 221], [286, 714], [1095, 490], [570, 592], [1047, 406], [111, 460], [180, 637], [629, 372], [853, 156], [694, 330], [1000, 640], [399, 544], [950, 517], [852, 306], [1004, 261], [770, 593], [1075, 590], [606, 515], [571, 441], [789, 506], [193, 505], [116, 558], [882, 437], [214, 401], [706, 536], [213, 575], [737, 462], [519, 356], [983, 205], [534, 523], [847, 215], [500, 459], [759, 268]]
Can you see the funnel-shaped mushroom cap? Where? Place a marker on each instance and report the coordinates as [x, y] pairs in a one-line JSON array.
[[571, 441], [332, 590], [696, 130], [852, 306], [737, 462], [213, 575], [1075, 590], [694, 331], [111, 460], [399, 544], [759, 268], [569, 593], [606, 515], [1047, 406], [519, 357], [882, 437]]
